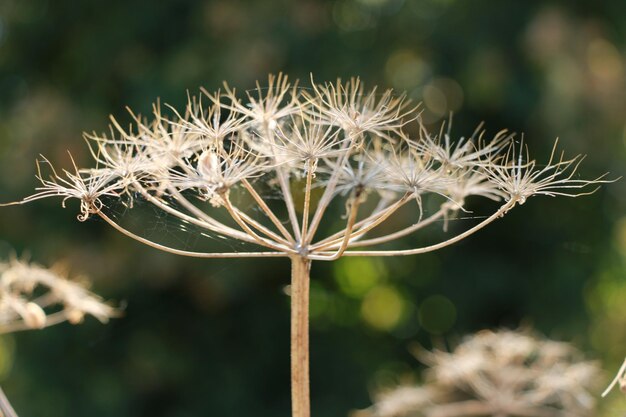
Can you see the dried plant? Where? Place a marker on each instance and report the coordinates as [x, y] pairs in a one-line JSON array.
[[34, 297], [332, 143], [499, 374], [620, 380]]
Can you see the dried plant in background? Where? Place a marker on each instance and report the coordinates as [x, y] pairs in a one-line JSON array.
[[34, 297], [331, 144], [499, 374]]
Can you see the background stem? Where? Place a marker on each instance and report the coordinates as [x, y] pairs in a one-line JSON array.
[[5, 406], [300, 393]]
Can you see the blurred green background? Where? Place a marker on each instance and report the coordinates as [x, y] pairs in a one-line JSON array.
[[211, 337]]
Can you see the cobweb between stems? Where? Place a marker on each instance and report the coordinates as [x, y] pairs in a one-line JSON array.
[[149, 221], [161, 227]]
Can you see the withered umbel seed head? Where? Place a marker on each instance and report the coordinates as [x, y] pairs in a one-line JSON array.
[[504, 373], [337, 140], [34, 297]]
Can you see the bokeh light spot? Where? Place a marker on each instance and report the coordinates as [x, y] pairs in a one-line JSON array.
[[356, 276], [373, 3], [405, 70], [604, 61], [349, 16], [435, 100], [453, 92], [319, 300], [620, 236], [486, 79], [7, 353], [437, 314], [383, 307]]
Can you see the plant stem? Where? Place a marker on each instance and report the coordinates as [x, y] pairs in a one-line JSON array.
[[5, 406], [300, 393]]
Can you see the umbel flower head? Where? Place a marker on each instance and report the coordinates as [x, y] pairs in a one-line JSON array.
[[352, 144], [504, 373], [34, 297]]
